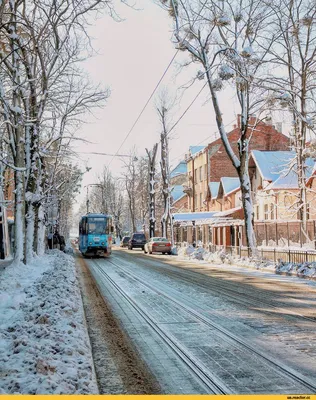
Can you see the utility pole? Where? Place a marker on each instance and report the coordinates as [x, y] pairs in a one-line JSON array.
[[87, 199], [166, 187], [152, 169]]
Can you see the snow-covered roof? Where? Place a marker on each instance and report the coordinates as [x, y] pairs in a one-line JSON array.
[[289, 181], [196, 149], [213, 186], [180, 169], [271, 163], [274, 167], [230, 184], [177, 192], [193, 216]]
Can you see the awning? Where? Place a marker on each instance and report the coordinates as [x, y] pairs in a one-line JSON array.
[[195, 216], [227, 213]]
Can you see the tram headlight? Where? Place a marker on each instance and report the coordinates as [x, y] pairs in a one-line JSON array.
[[90, 243], [102, 243]]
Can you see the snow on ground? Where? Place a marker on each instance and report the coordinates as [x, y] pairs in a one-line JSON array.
[[44, 344], [304, 270]]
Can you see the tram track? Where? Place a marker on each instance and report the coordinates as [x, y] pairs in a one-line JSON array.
[[212, 382], [213, 385], [233, 294]]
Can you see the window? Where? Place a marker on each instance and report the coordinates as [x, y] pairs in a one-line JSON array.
[[201, 175], [195, 201], [97, 225], [258, 212], [201, 200], [205, 171], [195, 175], [266, 211], [139, 236], [272, 211]]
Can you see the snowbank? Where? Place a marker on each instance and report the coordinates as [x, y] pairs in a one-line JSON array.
[[44, 345], [306, 270]]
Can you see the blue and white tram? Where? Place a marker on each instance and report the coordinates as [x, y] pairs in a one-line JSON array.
[[95, 235]]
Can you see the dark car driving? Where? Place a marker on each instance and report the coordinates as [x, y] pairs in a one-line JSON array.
[[137, 240], [124, 242]]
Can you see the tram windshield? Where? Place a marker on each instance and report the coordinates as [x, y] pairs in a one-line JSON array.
[[97, 226]]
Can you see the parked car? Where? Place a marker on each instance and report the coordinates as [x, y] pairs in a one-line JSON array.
[[137, 240], [124, 241], [158, 244]]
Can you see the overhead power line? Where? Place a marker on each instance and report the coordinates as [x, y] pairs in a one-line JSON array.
[[102, 154], [187, 109], [208, 137], [156, 87], [143, 109]]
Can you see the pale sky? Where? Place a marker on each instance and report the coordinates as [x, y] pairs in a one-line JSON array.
[[131, 58]]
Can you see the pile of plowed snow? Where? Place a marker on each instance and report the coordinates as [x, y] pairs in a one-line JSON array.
[[44, 344], [307, 270]]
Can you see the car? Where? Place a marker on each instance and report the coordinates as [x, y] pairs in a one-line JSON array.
[[137, 240], [158, 244], [124, 241]]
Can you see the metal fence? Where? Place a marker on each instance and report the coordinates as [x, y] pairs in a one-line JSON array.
[[273, 254]]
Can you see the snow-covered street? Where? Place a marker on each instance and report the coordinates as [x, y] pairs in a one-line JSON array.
[[193, 327], [248, 331]]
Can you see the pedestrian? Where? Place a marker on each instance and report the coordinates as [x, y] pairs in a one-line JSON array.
[[56, 240], [50, 240], [62, 243]]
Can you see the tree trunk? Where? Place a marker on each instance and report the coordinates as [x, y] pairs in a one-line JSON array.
[[30, 229], [19, 227], [152, 216], [248, 212], [40, 246]]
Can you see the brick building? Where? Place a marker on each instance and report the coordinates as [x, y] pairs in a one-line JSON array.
[[211, 163], [264, 137]]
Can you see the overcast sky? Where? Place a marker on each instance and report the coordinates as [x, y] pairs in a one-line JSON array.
[[131, 57]]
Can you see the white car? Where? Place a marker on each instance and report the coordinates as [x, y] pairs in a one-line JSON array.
[[158, 244]]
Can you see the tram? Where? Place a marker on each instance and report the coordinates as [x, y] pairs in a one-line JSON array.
[[95, 235]]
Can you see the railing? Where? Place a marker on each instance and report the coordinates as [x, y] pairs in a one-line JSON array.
[[273, 254]]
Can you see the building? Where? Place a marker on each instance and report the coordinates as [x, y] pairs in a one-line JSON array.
[[274, 184], [208, 164], [178, 177]]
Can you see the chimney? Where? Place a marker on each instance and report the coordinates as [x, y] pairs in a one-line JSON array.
[[252, 120], [278, 126]]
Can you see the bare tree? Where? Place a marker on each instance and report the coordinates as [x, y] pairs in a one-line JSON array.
[[223, 38], [152, 168], [107, 197], [164, 107], [40, 84], [130, 181], [291, 81]]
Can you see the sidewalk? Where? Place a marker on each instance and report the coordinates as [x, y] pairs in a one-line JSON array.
[[5, 263]]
